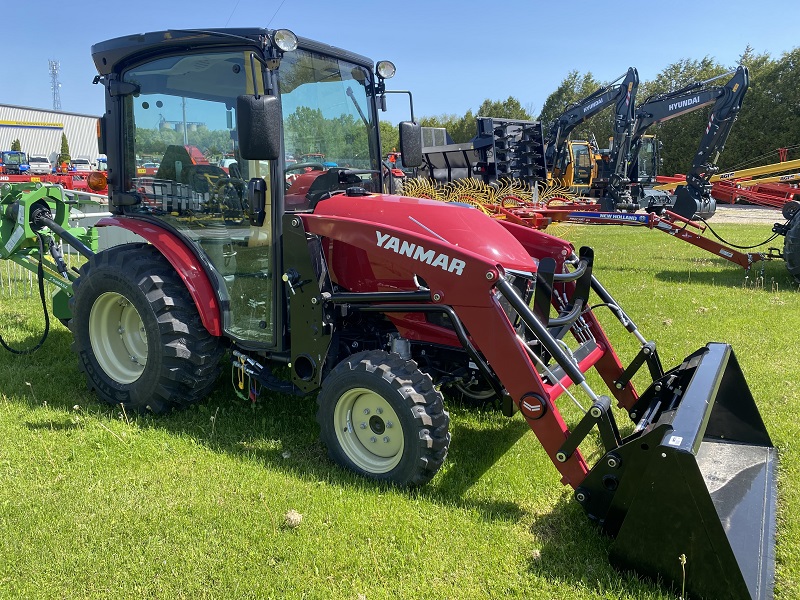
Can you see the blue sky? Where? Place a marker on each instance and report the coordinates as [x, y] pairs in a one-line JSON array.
[[450, 55]]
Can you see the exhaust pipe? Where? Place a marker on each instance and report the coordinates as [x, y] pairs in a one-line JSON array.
[[690, 496]]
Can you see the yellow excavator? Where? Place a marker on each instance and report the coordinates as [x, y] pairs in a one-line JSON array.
[[576, 164]]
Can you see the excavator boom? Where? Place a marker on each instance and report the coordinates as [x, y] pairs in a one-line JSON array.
[[694, 198]]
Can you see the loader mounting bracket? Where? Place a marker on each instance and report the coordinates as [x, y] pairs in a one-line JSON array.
[[600, 415]]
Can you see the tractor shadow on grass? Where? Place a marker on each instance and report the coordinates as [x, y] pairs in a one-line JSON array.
[[278, 433], [281, 434], [63, 424], [773, 277], [473, 452], [570, 548]]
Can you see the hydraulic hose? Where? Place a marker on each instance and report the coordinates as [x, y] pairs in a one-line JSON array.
[[41, 217], [40, 277], [731, 244]]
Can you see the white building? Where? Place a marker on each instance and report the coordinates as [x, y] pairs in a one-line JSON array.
[[39, 131]]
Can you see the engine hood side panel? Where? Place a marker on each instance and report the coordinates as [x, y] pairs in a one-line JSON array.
[[367, 256]]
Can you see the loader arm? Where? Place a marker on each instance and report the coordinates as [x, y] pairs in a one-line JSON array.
[[520, 347], [720, 122]]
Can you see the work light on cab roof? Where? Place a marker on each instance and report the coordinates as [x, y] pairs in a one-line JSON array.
[[285, 40], [385, 69]]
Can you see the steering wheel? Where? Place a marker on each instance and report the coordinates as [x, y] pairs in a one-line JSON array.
[[336, 179], [314, 166]]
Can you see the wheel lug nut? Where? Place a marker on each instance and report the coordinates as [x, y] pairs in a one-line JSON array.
[[373, 439], [379, 410], [386, 439], [389, 424], [366, 411], [363, 426]]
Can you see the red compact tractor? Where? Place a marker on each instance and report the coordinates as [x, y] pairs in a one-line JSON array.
[[384, 306]]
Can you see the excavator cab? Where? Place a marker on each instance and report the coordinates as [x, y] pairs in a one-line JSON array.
[[648, 161], [576, 166], [583, 164]]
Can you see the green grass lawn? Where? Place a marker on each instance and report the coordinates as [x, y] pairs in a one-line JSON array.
[[96, 503]]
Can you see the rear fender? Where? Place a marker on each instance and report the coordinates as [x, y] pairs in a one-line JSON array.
[[185, 263]]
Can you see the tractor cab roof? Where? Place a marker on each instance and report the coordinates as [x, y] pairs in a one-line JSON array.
[[117, 53]]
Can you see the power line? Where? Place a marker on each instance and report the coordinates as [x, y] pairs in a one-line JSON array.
[[233, 11], [275, 14]]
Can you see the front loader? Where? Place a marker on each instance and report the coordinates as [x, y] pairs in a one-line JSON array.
[[386, 306]]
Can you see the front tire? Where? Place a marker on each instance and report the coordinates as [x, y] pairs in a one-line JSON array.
[[137, 333], [381, 417]]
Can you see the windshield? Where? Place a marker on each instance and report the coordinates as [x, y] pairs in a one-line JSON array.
[[583, 164], [14, 158], [327, 111], [646, 160]]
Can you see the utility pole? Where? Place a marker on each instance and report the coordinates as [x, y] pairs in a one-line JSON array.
[[55, 85]]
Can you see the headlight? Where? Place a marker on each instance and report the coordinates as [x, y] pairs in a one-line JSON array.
[[524, 284]]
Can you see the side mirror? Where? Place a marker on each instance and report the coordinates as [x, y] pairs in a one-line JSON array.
[[411, 143], [258, 123]]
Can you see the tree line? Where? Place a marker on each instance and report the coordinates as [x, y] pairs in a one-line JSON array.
[[769, 118]]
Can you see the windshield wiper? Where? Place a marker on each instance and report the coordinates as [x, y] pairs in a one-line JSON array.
[[350, 93]]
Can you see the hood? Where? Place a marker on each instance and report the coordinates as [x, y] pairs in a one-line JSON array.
[[463, 226]]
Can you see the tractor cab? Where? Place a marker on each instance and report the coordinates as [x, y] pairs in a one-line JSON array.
[[14, 162], [179, 96]]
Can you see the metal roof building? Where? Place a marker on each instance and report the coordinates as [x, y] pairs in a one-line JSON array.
[[39, 131]]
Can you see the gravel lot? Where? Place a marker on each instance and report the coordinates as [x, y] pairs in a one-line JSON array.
[[745, 213]]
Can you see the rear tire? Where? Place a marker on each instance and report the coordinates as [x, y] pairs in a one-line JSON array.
[[137, 333], [381, 417], [791, 248], [476, 394]]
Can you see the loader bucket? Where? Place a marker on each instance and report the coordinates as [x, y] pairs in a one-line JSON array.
[[692, 500], [690, 207]]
